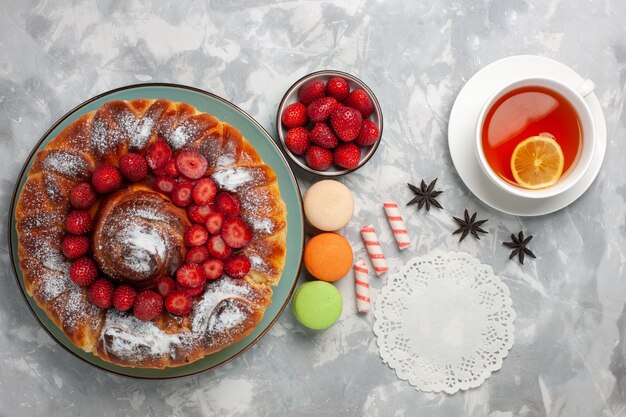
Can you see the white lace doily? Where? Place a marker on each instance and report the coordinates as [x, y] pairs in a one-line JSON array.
[[444, 322]]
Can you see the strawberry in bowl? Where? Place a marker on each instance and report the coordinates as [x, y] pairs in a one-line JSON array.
[[329, 123]]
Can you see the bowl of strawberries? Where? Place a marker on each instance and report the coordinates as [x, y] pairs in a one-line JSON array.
[[329, 123]]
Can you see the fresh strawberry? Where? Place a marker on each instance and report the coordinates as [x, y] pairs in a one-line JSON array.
[[133, 166], [148, 305], [171, 169], [297, 140], [158, 154], [338, 88], [199, 214], [78, 222], [236, 232], [190, 275], [82, 196], [369, 133], [74, 247], [192, 291], [214, 222], [196, 235], [294, 115], [124, 297], [320, 109], [213, 268], [164, 184], [347, 155], [106, 178], [204, 191], [217, 247], [101, 293], [319, 158], [178, 302], [83, 271], [197, 255], [237, 266], [360, 100], [181, 194], [311, 91], [323, 136], [346, 122], [227, 204], [191, 164], [164, 285]]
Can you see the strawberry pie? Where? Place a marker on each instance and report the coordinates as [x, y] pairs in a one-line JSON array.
[[151, 233]]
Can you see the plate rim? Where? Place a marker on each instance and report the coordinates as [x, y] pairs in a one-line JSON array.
[[11, 221]]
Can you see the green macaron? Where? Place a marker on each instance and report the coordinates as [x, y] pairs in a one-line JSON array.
[[317, 305]]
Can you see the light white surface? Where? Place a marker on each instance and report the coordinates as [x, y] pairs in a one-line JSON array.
[[569, 357], [465, 116]]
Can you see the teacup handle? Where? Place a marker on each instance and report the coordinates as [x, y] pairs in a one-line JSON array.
[[585, 88]]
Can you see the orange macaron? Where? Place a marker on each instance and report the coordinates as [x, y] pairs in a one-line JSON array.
[[328, 257]]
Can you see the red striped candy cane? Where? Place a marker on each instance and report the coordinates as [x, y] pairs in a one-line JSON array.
[[397, 225], [362, 286], [374, 250]]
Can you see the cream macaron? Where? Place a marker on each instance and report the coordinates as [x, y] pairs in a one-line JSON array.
[[328, 205]]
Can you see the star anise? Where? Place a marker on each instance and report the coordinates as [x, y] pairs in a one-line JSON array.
[[518, 245], [425, 195], [469, 225]]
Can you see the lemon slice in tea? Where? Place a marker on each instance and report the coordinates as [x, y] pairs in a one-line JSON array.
[[537, 162]]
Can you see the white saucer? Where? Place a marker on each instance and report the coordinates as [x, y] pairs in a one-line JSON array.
[[462, 128]]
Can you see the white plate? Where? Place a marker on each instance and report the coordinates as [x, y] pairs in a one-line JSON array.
[[462, 128]]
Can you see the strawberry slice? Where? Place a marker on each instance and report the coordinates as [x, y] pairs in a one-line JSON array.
[[236, 233], [158, 154], [237, 266], [214, 222], [164, 185], [170, 168], [204, 191], [190, 275], [178, 302], [164, 285], [217, 247], [227, 204], [181, 194], [196, 235], [192, 291], [199, 214], [197, 255], [213, 268], [191, 164]]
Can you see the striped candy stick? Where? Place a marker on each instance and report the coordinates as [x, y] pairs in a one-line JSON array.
[[397, 225], [374, 250], [362, 286]]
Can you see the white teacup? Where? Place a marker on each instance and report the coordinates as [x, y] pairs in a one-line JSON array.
[[576, 97]]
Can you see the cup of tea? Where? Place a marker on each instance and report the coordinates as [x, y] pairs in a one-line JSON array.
[[536, 137]]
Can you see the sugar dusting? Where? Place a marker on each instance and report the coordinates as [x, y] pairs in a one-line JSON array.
[[125, 336], [132, 338], [259, 225], [67, 164], [141, 244], [53, 284], [138, 130], [182, 134], [233, 179]]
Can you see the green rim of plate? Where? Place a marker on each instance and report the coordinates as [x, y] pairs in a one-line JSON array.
[[271, 155]]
